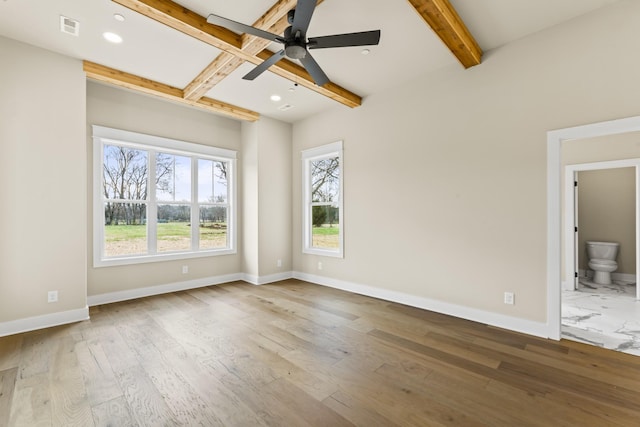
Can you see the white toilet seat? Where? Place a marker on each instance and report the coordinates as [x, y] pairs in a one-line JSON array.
[[602, 264]]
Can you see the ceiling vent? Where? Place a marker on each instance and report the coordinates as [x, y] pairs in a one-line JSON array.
[[285, 107], [69, 26]]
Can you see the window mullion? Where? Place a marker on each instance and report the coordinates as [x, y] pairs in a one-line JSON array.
[[195, 209], [152, 207]]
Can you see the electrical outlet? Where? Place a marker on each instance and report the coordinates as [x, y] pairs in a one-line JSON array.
[[185, 269], [509, 298], [52, 296], [279, 263], [319, 265]]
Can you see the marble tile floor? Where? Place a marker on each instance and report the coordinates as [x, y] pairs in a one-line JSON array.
[[605, 316]]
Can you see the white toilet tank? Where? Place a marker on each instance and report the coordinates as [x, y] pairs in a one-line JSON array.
[[602, 250]]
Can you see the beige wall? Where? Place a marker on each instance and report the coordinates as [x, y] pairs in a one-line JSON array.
[[601, 149], [607, 213], [445, 175], [121, 109], [275, 196], [249, 190], [42, 182], [266, 189]]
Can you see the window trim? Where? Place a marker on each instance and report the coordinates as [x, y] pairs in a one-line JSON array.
[[328, 150], [104, 135]]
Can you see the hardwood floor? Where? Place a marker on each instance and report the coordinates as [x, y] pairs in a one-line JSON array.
[[296, 354]]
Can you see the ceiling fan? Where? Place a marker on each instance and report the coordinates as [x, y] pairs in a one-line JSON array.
[[295, 40]]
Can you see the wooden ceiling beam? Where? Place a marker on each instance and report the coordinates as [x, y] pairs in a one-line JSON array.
[[444, 20], [182, 19], [130, 81]]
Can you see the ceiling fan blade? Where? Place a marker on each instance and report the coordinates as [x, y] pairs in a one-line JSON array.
[[302, 17], [264, 66], [314, 69], [242, 28], [365, 38]]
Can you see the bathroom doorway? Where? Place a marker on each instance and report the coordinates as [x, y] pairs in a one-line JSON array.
[[607, 211], [601, 205], [594, 142]]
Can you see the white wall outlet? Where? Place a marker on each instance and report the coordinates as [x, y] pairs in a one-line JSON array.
[[279, 263], [52, 296], [319, 265], [509, 298], [185, 269]]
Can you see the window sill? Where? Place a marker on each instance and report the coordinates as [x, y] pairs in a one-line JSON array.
[[323, 252], [144, 259]]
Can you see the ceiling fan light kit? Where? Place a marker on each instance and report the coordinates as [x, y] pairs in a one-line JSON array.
[[295, 41]]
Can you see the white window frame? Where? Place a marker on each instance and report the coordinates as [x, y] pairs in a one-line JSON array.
[[325, 151], [153, 144]]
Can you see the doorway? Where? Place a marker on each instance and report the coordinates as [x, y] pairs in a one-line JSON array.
[[601, 205], [574, 245], [555, 139]]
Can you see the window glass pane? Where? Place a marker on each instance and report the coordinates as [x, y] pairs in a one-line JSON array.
[[174, 228], [125, 173], [325, 228], [212, 181], [213, 227], [125, 229], [173, 178], [325, 180]]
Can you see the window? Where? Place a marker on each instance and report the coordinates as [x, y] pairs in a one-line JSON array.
[[157, 199], [323, 226]]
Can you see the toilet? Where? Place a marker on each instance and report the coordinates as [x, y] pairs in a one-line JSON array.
[[602, 260]]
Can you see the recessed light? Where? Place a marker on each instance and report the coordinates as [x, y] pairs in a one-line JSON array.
[[365, 51], [112, 37], [118, 17], [275, 97]]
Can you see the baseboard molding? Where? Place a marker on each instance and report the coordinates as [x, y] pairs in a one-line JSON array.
[[489, 318], [44, 321], [263, 280], [112, 297], [493, 319]]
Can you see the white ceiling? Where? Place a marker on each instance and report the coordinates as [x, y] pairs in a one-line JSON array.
[[408, 47]]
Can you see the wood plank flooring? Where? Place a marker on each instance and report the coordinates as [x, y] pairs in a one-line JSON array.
[[297, 354]]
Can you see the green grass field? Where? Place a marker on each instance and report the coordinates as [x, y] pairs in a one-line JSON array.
[[172, 236], [169, 229], [131, 239], [326, 237], [326, 230]]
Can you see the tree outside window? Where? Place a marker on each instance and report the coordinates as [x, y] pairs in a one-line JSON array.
[[323, 200], [160, 200]]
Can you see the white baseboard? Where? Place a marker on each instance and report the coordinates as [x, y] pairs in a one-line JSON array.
[[44, 321], [494, 319], [530, 327], [263, 280], [161, 289]]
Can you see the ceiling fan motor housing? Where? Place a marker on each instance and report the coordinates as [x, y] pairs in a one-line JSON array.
[[295, 50], [295, 47]]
